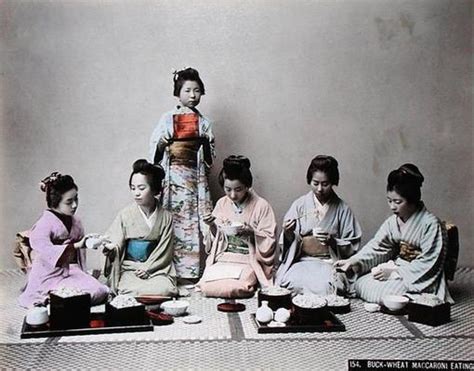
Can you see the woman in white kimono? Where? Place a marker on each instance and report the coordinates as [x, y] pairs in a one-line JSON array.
[[406, 255], [139, 255], [318, 229], [237, 264], [183, 143]]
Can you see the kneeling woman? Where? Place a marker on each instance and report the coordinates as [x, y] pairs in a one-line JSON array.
[[57, 240], [307, 257], [139, 256], [408, 250], [237, 264]]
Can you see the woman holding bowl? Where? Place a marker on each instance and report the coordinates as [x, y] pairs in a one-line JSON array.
[[241, 238], [139, 257], [318, 229], [406, 255]]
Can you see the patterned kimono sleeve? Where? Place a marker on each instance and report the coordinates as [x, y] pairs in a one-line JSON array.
[[41, 243], [162, 130], [424, 271], [378, 250], [162, 255], [350, 233]]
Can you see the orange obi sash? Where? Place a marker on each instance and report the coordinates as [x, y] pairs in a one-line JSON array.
[[408, 252], [185, 125]]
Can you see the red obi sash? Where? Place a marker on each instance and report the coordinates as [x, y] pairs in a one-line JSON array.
[[186, 125]]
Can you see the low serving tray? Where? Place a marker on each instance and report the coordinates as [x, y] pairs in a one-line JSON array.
[[330, 324], [97, 320]]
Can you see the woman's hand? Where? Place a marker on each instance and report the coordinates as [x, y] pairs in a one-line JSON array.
[[289, 227], [246, 230], [209, 219], [382, 272], [109, 249], [164, 142], [142, 274], [343, 265], [81, 243]]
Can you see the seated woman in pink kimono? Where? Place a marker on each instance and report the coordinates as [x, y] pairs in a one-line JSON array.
[[57, 240], [237, 264], [140, 252], [406, 255]]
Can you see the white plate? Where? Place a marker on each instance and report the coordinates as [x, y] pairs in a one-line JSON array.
[[190, 320]]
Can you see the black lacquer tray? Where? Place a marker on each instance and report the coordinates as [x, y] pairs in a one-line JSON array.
[[97, 325], [330, 323]]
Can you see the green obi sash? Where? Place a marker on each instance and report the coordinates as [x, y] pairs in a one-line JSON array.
[[237, 245], [139, 250]]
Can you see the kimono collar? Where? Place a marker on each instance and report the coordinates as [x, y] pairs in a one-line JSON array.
[[65, 219], [420, 207], [239, 209], [150, 221]]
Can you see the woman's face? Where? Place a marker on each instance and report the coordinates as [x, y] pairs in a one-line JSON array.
[[399, 205], [69, 203], [141, 191], [235, 190], [321, 186], [190, 94]]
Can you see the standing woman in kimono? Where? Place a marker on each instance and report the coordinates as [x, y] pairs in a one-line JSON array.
[[406, 255], [139, 257], [236, 265], [57, 240], [183, 143], [307, 257]]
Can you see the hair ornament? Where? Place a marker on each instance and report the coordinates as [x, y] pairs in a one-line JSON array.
[[46, 182], [176, 72]]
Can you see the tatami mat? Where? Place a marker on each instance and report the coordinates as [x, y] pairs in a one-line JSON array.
[[231, 341]]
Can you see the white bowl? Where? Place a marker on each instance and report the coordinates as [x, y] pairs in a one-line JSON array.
[[175, 307], [395, 302], [232, 229], [371, 307], [37, 316]]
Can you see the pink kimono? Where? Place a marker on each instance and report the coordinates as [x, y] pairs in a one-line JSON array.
[[49, 239], [237, 264]]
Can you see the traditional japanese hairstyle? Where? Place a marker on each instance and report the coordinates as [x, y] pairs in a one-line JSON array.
[[406, 181], [186, 74], [325, 164], [55, 185], [236, 167], [154, 174]]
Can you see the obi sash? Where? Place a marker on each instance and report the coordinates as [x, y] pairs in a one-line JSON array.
[[139, 250], [311, 246], [237, 245], [185, 125], [184, 153], [408, 252]]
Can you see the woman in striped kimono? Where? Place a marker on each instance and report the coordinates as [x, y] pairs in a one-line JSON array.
[[406, 256], [307, 257]]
